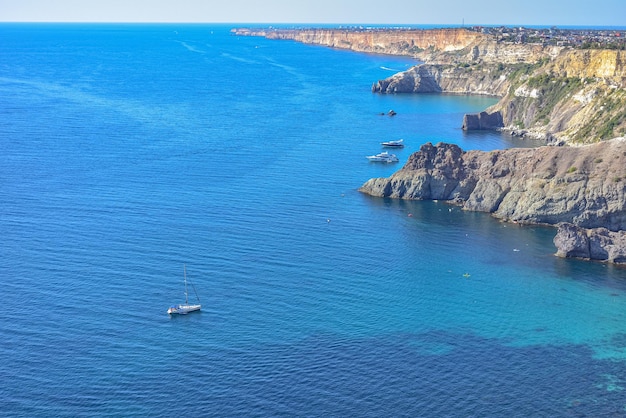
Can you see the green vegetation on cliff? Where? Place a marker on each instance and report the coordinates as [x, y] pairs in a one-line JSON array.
[[577, 98], [552, 90], [610, 120], [551, 85]]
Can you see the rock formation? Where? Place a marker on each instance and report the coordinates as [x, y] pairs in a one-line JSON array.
[[410, 42], [590, 244], [576, 96], [559, 94], [439, 78], [547, 92], [482, 121], [582, 185]]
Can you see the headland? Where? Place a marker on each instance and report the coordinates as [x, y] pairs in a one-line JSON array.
[[564, 86], [567, 87]]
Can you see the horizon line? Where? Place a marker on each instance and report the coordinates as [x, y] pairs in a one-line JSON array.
[[455, 25]]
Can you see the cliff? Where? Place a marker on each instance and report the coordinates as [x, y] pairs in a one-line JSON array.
[[395, 42], [582, 185], [490, 80], [444, 45], [547, 92], [559, 94], [575, 97]]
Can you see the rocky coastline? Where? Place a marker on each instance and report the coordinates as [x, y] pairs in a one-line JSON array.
[[547, 91], [569, 97], [581, 186]]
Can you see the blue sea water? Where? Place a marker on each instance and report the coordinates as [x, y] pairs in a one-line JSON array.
[[129, 151]]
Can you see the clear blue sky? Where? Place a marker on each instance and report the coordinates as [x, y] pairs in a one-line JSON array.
[[451, 12]]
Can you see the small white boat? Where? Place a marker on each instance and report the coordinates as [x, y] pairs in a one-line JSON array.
[[185, 308], [383, 157], [399, 143]]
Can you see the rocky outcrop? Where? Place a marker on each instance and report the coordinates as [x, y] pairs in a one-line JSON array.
[[575, 97], [482, 121], [585, 185], [590, 244], [419, 79], [438, 78], [579, 97], [547, 92]]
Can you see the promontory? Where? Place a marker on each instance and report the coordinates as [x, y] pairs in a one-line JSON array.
[[565, 87]]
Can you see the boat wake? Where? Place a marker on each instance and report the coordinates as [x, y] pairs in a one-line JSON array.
[[191, 48]]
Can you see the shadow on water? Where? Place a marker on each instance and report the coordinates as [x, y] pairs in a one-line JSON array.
[[505, 243], [438, 374]]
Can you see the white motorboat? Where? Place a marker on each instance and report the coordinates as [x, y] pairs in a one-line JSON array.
[[383, 157], [398, 143], [185, 308]]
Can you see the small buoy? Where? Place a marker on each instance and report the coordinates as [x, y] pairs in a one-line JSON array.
[[328, 220]]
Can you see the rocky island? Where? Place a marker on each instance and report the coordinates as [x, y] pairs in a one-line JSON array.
[[569, 90]]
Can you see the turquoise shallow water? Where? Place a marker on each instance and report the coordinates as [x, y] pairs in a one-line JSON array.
[[130, 150]]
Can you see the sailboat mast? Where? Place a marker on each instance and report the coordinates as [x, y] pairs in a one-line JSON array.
[[185, 275]]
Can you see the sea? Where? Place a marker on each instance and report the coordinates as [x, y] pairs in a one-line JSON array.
[[133, 153]]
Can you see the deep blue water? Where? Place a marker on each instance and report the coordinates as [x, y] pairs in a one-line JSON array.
[[128, 151]]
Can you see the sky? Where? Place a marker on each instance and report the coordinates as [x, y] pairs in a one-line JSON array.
[[402, 12]]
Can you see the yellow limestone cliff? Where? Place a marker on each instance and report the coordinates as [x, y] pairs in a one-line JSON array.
[[397, 42], [550, 92]]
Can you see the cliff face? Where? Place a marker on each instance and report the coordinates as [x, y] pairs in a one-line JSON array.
[[396, 42], [487, 80], [449, 45], [547, 92], [606, 64], [577, 96], [583, 185]]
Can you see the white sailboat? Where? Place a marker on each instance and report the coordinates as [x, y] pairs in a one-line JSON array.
[[185, 308]]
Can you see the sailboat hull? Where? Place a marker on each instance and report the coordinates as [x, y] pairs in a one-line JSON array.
[[183, 309]]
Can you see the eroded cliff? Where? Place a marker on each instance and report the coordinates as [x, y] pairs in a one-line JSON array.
[[396, 42], [547, 92], [576, 96], [490, 80], [555, 93], [582, 185]]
